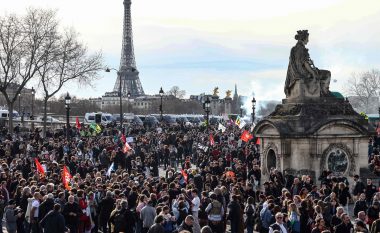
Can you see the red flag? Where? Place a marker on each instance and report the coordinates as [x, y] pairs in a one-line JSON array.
[[230, 174], [126, 147], [378, 128], [246, 136], [184, 174], [66, 178], [258, 141], [123, 139], [77, 123], [212, 141], [39, 167]]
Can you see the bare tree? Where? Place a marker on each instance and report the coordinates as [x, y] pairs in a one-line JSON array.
[[176, 92], [67, 61], [24, 42], [365, 86]]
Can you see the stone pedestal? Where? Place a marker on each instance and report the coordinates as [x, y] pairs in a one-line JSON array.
[[214, 105], [227, 105], [309, 135]]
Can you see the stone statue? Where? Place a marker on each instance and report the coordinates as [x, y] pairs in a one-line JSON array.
[[228, 93], [312, 82], [216, 91]]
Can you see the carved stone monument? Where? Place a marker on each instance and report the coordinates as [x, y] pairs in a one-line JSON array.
[[312, 130]]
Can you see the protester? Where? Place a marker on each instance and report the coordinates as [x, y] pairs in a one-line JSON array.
[[166, 181]]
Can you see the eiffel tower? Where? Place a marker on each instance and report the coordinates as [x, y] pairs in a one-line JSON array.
[[128, 73]]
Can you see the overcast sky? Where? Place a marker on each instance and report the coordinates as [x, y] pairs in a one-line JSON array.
[[200, 44]]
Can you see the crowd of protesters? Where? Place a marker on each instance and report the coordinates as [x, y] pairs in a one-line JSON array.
[[168, 179]]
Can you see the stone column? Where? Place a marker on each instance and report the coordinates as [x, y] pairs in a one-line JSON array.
[[214, 105], [227, 105]]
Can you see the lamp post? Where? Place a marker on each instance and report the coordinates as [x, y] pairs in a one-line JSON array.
[[22, 116], [128, 96], [161, 95], [67, 106], [241, 111], [207, 109], [253, 109], [19, 103], [32, 116], [120, 95]]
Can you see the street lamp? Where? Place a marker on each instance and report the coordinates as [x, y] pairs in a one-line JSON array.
[[67, 106], [32, 116], [19, 103], [241, 111], [207, 109], [253, 109], [161, 95], [120, 95], [128, 97]]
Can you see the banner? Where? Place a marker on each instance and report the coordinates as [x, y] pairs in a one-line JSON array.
[[126, 147], [110, 169], [246, 136], [242, 124], [98, 129], [258, 141], [129, 139], [237, 121], [77, 123], [123, 139], [212, 141], [221, 127], [66, 178], [184, 174], [39, 167]]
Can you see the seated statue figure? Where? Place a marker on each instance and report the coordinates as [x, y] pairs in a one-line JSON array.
[[301, 67]]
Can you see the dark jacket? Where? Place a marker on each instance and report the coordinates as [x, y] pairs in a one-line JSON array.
[[156, 228], [126, 225], [185, 227], [45, 208], [106, 206], [71, 220], [360, 206], [53, 222], [343, 228], [234, 211]]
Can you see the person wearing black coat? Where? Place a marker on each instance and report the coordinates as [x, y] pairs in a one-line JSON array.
[[129, 219], [360, 205], [106, 206], [71, 213], [304, 217], [54, 221], [46, 206], [157, 226], [345, 226], [234, 214]]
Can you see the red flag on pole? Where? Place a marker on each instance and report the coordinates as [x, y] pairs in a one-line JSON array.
[[123, 139], [126, 147], [246, 136], [184, 174], [77, 123], [39, 167], [66, 178], [258, 141], [212, 141]]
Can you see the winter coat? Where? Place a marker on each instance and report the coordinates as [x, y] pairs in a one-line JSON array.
[[10, 219], [53, 222]]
